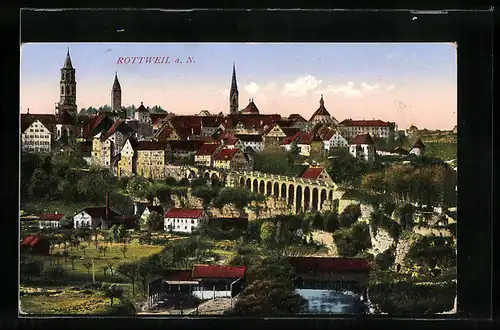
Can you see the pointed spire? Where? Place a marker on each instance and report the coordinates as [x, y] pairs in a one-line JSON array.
[[28, 111], [116, 83], [67, 62], [234, 85], [321, 102]]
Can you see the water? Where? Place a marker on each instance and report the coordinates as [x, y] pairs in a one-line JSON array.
[[335, 302]]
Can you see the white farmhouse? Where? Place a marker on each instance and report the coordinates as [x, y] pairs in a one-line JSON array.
[[49, 220], [333, 139], [35, 137], [363, 147], [93, 217], [183, 220]]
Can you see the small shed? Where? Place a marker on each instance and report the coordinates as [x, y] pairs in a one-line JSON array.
[[35, 244]]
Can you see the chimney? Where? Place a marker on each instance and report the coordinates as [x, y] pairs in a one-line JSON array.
[[107, 205]]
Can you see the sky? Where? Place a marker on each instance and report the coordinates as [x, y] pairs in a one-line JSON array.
[[408, 83]]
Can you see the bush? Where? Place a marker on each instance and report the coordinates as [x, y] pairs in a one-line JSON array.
[[55, 272], [385, 260], [350, 215], [351, 241]]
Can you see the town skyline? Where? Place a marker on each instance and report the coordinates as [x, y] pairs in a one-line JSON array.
[[404, 83]]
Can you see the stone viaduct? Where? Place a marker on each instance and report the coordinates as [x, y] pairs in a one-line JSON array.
[[301, 194]]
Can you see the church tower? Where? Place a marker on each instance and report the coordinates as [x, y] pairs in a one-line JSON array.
[[67, 100], [116, 96], [233, 94]]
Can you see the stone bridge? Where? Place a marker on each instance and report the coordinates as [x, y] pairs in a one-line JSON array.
[[301, 194]]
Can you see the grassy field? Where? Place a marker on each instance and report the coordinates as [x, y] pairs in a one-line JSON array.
[[441, 150]]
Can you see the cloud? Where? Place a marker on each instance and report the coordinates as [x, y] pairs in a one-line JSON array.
[[390, 87], [368, 88], [348, 90], [252, 88], [301, 86]]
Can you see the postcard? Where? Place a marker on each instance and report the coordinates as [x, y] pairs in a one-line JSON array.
[[238, 179]]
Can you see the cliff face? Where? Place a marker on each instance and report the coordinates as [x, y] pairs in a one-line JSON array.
[[381, 241]]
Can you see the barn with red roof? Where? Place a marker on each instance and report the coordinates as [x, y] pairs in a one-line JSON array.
[[317, 173], [35, 244]]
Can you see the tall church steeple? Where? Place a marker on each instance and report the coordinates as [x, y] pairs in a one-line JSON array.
[[116, 95], [67, 100], [233, 94]]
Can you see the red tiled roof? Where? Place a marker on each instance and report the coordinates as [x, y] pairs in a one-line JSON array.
[[183, 213], [320, 112], [290, 139], [120, 126], [185, 126], [99, 212], [31, 240], [164, 133], [251, 120], [226, 154], [157, 116], [186, 145], [328, 135], [363, 139], [365, 123], [306, 138], [99, 122], [208, 149], [151, 145], [250, 109], [325, 265], [217, 271], [289, 131], [232, 141], [312, 172], [51, 216]]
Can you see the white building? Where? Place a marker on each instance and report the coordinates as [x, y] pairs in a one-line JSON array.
[[333, 139], [183, 220], [350, 128], [50, 220], [363, 147], [35, 137], [92, 217], [254, 141]]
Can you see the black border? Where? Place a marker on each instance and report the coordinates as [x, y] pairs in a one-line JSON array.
[[472, 30]]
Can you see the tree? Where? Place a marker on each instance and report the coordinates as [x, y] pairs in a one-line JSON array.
[[129, 270], [55, 272], [65, 255], [331, 221], [124, 249], [139, 188], [121, 234], [206, 194], [153, 222], [66, 221], [350, 215], [104, 270], [268, 231], [113, 291], [88, 266], [404, 214], [111, 267]]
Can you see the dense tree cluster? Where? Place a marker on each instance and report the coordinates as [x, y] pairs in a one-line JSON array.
[[350, 241], [64, 177], [426, 184], [278, 161]]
